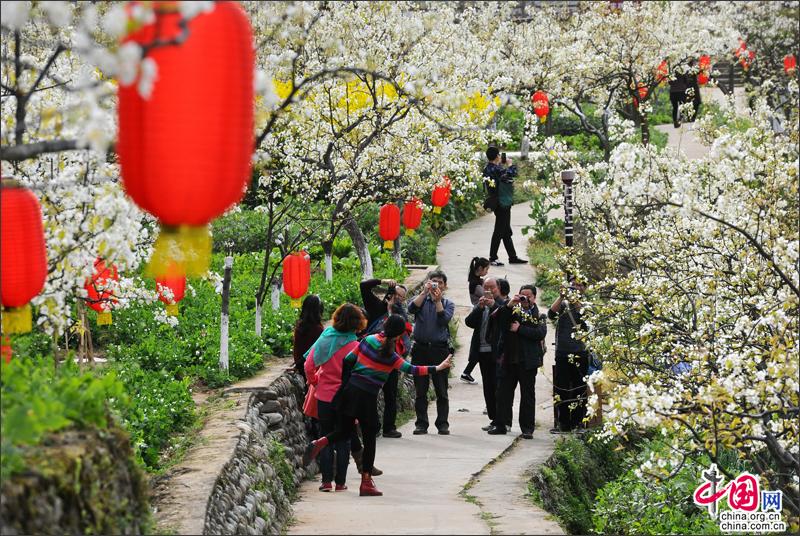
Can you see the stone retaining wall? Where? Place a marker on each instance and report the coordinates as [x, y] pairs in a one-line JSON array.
[[254, 489]]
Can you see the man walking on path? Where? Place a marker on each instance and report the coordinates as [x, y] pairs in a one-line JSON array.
[[480, 348], [522, 353], [378, 310], [572, 359], [432, 313], [499, 176]]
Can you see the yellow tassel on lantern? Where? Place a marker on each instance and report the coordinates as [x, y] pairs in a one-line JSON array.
[[542, 119], [17, 319], [409, 232], [188, 248], [172, 309], [104, 319], [437, 210], [296, 303], [388, 244]]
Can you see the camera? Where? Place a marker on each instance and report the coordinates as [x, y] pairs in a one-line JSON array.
[[503, 158], [434, 284]]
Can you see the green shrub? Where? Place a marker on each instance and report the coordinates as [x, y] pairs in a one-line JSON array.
[[159, 407], [566, 484], [243, 231], [512, 120], [644, 505], [38, 398]]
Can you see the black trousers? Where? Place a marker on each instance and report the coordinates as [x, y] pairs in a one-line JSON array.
[[676, 98], [502, 231], [514, 374], [570, 388], [327, 424], [487, 364], [390, 401], [355, 403], [424, 355]]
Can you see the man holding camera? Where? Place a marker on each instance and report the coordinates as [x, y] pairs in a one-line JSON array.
[[521, 354], [378, 310], [481, 348], [498, 176], [432, 313], [572, 359]]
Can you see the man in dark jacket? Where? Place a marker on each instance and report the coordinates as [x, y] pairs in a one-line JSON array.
[[378, 310], [572, 360], [522, 353], [677, 95], [498, 176], [480, 348]]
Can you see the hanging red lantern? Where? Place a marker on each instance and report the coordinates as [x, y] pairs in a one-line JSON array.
[[789, 64], [705, 62], [185, 156], [100, 291], [441, 195], [412, 215], [541, 105], [296, 276], [702, 78], [662, 72], [171, 290], [389, 224], [23, 258], [642, 90]]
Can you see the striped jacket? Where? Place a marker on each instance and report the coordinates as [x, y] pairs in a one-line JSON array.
[[370, 370]]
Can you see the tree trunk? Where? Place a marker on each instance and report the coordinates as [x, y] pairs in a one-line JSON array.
[[524, 148], [397, 254], [645, 130], [360, 245], [276, 296], [327, 247], [223, 324], [258, 318]]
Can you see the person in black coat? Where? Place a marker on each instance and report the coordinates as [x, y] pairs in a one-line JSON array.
[[480, 348], [677, 95], [521, 354]]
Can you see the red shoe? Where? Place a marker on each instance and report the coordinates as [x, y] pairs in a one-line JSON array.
[[368, 488], [341, 487], [313, 449], [326, 486]]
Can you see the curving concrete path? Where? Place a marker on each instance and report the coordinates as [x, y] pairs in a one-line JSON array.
[[456, 484]]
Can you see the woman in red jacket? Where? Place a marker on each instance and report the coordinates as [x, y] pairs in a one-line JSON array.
[[323, 368], [372, 360]]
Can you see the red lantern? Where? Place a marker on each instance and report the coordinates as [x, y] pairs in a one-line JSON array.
[[662, 72], [702, 78], [171, 291], [296, 276], [642, 90], [100, 291], [389, 224], [412, 215], [541, 105], [23, 258], [789, 64], [185, 154], [705, 62], [441, 195]]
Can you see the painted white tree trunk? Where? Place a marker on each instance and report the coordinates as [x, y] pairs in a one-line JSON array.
[[524, 148], [258, 318], [328, 267], [276, 297], [223, 324]]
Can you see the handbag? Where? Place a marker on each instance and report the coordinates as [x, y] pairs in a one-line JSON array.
[[310, 403]]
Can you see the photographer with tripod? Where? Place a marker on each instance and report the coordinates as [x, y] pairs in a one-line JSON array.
[[572, 358]]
